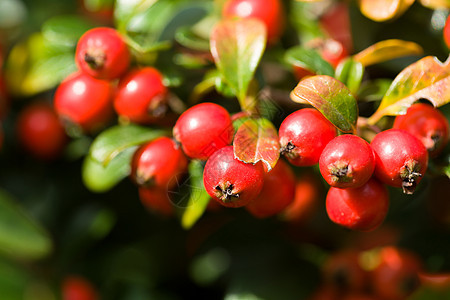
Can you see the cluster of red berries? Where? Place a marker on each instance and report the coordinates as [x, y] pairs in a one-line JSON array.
[[387, 272], [396, 157]]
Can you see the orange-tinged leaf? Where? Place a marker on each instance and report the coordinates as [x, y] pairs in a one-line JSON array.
[[436, 4], [331, 97], [427, 78], [383, 10], [237, 46], [257, 140], [387, 50]]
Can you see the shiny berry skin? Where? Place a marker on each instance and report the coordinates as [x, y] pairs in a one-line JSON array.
[[156, 199], [347, 161], [158, 163], [102, 53], [277, 193], [141, 96], [343, 271], [40, 131], [203, 129], [427, 124], [84, 101], [396, 276], [270, 12], [303, 136], [363, 208], [446, 32], [232, 182], [401, 159], [78, 288]]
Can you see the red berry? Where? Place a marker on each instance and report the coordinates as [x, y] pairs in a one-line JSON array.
[[347, 161], [303, 136], [306, 200], [336, 22], [301, 71], [141, 96], [230, 181], [363, 208], [203, 129], [156, 199], [277, 193], [343, 271], [102, 53], [401, 159], [78, 288], [40, 131], [396, 276], [446, 32], [85, 101], [270, 12], [427, 124], [157, 163]]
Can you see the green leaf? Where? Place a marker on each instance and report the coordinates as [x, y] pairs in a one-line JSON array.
[[331, 97], [114, 140], [447, 171], [187, 38], [374, 90], [65, 30], [35, 65], [198, 199], [237, 47], [20, 235], [427, 78], [309, 59], [100, 178], [350, 72], [257, 140]]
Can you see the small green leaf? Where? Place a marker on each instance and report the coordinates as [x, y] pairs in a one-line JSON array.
[[65, 30], [350, 72], [20, 235], [374, 90], [257, 140], [187, 38], [447, 171], [331, 97], [427, 78], [309, 59], [237, 47], [100, 178], [199, 198], [114, 140]]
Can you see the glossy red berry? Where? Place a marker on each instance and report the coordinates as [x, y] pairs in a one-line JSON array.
[[446, 32], [203, 129], [347, 161], [156, 199], [427, 124], [270, 12], [78, 288], [396, 276], [158, 163], [303, 136], [102, 53], [230, 181], [141, 96], [277, 193], [84, 101], [401, 159], [363, 208], [343, 271], [40, 131]]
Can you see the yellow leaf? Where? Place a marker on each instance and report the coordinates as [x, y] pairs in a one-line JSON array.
[[383, 10], [387, 50]]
